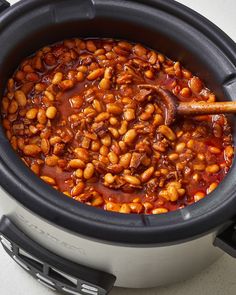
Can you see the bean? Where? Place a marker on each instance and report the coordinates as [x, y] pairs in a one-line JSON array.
[[57, 78], [14, 142], [97, 105], [198, 196], [125, 45], [113, 158], [95, 74], [51, 160], [201, 157], [173, 156], [123, 128], [167, 132], [67, 194], [66, 84], [106, 140], [147, 174], [146, 161], [149, 74], [229, 152], [213, 168], [217, 130], [79, 173], [76, 163], [97, 201], [104, 150], [102, 117], [180, 147], [100, 51], [79, 76], [89, 112], [31, 150], [13, 107], [122, 146], [173, 193], [55, 139], [105, 84], [125, 160], [110, 206], [45, 146], [41, 116], [152, 57], [181, 191], [49, 95], [195, 84], [108, 73], [190, 144], [113, 108], [51, 112], [91, 46], [196, 177], [199, 167], [114, 132], [78, 189], [86, 143], [58, 148], [164, 171], [164, 194], [89, 171], [185, 92], [48, 180], [113, 121], [130, 136], [109, 178], [33, 129], [31, 113], [20, 143], [214, 150], [77, 101], [95, 146], [82, 154], [132, 180], [10, 85], [35, 168], [129, 114], [6, 124], [176, 184], [159, 211], [139, 50], [158, 120], [125, 208], [212, 187], [136, 207], [186, 74], [20, 98], [5, 104]]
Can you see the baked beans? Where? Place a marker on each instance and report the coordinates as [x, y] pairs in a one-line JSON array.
[[74, 113]]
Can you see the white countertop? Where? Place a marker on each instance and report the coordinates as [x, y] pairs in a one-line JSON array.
[[218, 279]]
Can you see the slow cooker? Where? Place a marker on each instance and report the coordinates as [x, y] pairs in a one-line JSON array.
[[77, 249]]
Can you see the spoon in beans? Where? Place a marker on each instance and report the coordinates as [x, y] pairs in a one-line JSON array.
[[173, 108]]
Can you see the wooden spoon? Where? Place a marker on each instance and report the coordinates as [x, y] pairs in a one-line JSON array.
[[172, 107]]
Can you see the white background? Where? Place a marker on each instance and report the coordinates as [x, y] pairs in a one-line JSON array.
[[219, 279]]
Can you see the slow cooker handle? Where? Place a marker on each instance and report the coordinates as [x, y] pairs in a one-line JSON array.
[[3, 5], [55, 272], [226, 240]]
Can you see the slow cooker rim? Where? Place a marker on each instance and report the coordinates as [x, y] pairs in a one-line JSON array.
[[136, 229]]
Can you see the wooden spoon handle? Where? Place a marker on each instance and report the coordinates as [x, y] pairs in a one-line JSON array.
[[205, 108]]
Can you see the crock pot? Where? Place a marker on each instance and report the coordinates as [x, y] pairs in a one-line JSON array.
[[77, 249]]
